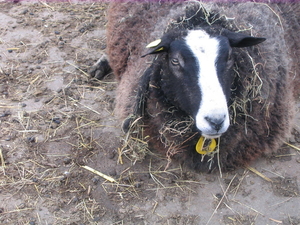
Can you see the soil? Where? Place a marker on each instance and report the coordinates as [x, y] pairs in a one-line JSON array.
[[55, 120]]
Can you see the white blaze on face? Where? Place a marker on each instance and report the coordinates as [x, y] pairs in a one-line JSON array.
[[213, 105]]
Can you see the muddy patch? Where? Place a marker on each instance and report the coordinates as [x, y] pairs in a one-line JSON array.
[[286, 187]]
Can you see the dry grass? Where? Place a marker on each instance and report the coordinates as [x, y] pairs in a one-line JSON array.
[[37, 165], [135, 145]]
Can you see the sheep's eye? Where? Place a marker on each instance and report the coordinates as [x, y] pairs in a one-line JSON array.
[[175, 61]]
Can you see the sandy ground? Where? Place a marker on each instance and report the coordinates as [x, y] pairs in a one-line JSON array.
[[54, 120]]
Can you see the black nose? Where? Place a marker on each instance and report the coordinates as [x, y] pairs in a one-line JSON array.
[[215, 123]]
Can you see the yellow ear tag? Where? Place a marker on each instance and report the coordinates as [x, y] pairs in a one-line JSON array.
[[160, 49], [207, 149], [154, 43]]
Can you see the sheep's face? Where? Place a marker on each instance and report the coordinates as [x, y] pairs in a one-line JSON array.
[[197, 77], [199, 66]]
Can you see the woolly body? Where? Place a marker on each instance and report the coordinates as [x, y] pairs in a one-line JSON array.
[[261, 103]]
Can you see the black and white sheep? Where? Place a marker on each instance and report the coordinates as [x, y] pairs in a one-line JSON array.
[[202, 69]]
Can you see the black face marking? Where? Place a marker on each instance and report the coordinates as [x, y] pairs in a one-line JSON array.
[[224, 65], [183, 77]]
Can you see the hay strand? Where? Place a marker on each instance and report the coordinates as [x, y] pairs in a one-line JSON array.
[[100, 174], [292, 146], [221, 200], [2, 159], [258, 173]]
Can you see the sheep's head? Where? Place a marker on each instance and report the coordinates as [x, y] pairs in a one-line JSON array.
[[197, 76]]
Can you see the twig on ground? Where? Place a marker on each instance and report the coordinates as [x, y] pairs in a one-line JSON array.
[[258, 173], [99, 173]]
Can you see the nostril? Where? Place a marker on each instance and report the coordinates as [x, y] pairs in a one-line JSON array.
[[216, 123]]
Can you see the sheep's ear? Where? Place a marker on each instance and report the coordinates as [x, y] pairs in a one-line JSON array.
[[241, 40], [156, 46]]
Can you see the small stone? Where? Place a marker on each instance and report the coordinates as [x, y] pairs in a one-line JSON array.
[[54, 126], [5, 114], [75, 200], [67, 161], [56, 120], [103, 47], [62, 179], [20, 21], [138, 184], [219, 196], [30, 71], [95, 180], [56, 32], [25, 11], [31, 139], [21, 206], [111, 154]]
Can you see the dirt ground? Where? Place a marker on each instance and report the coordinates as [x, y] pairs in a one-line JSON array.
[[54, 120]]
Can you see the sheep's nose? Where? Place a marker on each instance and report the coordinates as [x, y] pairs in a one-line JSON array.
[[215, 122]]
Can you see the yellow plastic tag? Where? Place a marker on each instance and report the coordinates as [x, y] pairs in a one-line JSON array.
[[153, 43], [203, 150], [160, 49]]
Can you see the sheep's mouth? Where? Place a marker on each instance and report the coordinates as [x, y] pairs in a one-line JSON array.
[[212, 136]]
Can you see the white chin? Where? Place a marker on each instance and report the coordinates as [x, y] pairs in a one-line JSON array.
[[211, 136]]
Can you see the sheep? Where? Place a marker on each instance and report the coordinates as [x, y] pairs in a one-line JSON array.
[[216, 103]]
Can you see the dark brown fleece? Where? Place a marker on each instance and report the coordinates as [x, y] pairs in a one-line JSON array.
[[266, 118]]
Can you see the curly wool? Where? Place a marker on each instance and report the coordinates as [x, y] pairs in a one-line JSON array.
[[262, 102]]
